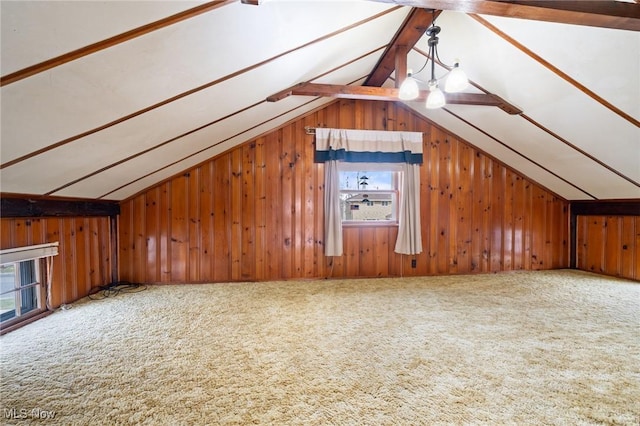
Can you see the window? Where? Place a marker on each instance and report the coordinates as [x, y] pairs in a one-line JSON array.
[[24, 275], [21, 291], [369, 193]]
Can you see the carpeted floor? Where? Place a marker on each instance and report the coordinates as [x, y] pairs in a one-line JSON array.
[[555, 348]]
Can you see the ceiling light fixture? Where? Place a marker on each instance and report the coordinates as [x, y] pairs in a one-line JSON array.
[[457, 80]]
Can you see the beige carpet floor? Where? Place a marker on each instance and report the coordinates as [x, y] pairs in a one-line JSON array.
[[555, 348]]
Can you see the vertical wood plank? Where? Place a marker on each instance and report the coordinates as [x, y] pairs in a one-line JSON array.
[[465, 209], [443, 193], [518, 223], [260, 210], [287, 210], [381, 245], [351, 240], [496, 228], [627, 247], [152, 226], [274, 205], [82, 258], [508, 221], [222, 220], [194, 228], [434, 189], [612, 258], [595, 238], [68, 234], [236, 214], [309, 207], [179, 228], [248, 225], [139, 249], [54, 233], [366, 249], [165, 232], [206, 216]]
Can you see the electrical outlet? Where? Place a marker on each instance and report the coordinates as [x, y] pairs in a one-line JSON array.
[[414, 263]]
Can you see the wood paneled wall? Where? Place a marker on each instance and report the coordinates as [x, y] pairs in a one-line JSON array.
[[83, 260], [609, 245], [256, 213]]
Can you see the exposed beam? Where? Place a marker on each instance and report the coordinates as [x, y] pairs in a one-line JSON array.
[[411, 30], [389, 94], [28, 206], [629, 207], [595, 13]]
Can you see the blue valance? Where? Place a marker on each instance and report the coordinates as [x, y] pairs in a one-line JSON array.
[[368, 146]]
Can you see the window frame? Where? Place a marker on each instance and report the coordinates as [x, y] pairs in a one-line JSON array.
[[19, 289], [41, 257], [396, 169]]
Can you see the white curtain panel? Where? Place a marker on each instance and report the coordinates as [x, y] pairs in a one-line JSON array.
[[332, 218], [409, 239]]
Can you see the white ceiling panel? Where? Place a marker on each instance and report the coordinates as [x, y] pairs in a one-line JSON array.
[[35, 31], [613, 75], [139, 168]]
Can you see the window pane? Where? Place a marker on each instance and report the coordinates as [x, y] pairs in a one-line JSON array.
[[20, 290], [368, 192], [7, 293], [29, 295], [371, 180], [372, 205]]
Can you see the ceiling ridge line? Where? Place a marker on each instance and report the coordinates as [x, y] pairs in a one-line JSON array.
[[111, 41], [520, 154], [581, 151], [173, 139], [555, 69], [194, 90], [410, 32]]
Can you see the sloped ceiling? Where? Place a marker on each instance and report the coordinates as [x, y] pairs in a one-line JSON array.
[[101, 100]]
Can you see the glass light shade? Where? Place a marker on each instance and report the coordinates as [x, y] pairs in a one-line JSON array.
[[435, 99], [457, 80], [409, 89]]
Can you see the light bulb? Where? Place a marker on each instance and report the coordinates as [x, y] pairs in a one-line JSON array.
[[457, 80], [409, 89], [435, 98]]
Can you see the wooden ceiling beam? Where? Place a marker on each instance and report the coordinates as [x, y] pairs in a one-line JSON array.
[[389, 94], [411, 30], [595, 13]]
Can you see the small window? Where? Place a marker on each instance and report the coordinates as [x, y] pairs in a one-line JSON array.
[[23, 270], [369, 193], [21, 291]]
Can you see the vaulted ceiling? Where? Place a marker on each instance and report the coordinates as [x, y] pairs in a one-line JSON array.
[[102, 99]]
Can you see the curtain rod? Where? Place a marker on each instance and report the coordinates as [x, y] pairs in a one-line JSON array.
[[309, 130]]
